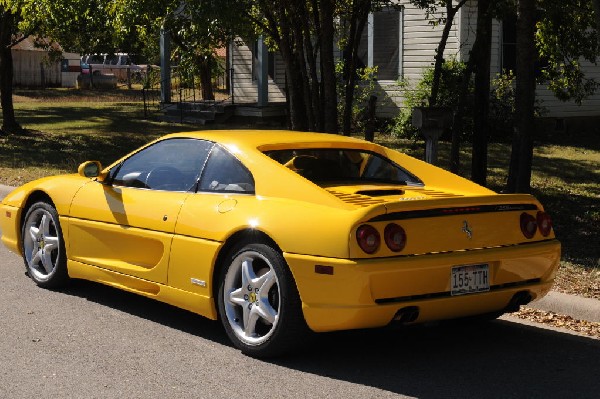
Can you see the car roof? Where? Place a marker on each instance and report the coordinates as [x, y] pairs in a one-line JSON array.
[[272, 139]]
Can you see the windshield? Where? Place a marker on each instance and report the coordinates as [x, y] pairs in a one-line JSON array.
[[323, 166]]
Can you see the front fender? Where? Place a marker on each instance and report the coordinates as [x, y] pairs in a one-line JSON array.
[[59, 189]]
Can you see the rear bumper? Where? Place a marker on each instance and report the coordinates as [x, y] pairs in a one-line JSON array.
[[370, 292]]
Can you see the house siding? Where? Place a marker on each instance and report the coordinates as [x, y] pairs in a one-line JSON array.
[[245, 88], [419, 40]]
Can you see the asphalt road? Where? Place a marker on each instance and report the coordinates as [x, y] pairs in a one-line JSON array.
[[92, 341]]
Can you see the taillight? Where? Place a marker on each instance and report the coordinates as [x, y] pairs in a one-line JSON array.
[[544, 223], [395, 237], [368, 238], [528, 225]]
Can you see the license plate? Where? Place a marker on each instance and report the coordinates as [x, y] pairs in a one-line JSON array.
[[469, 279]]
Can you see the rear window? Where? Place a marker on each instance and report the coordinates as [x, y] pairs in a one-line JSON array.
[[323, 166]]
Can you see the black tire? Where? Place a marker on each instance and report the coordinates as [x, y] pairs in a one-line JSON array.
[[261, 312], [43, 246]]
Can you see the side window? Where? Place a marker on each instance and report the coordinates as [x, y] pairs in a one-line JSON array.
[[380, 168], [169, 165], [224, 173]]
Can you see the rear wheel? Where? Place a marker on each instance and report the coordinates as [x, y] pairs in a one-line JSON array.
[[259, 303], [43, 246]]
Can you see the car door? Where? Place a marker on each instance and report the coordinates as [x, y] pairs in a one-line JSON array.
[[224, 196], [126, 223]]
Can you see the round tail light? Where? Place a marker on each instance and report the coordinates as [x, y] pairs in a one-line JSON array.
[[395, 237], [544, 223], [368, 238], [528, 225]]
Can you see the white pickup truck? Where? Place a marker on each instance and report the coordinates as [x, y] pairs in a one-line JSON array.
[[118, 64]]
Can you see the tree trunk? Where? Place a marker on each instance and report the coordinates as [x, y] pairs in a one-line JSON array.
[[282, 34], [204, 65], [358, 20], [309, 58], [520, 175], [329, 93], [9, 122], [435, 85], [439, 52], [298, 117], [482, 59]]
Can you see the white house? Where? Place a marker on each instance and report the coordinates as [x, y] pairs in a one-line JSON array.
[[402, 44]]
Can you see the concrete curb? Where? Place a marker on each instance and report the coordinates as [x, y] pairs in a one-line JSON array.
[[571, 305], [5, 190]]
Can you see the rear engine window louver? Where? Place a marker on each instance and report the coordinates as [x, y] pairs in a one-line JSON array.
[[357, 199]]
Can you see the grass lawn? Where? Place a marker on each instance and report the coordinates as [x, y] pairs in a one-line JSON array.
[[66, 127]]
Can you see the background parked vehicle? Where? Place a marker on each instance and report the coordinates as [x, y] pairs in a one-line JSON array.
[[118, 64]]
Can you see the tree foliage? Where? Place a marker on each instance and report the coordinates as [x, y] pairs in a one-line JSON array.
[[563, 35], [197, 27], [303, 33], [566, 35], [450, 83], [17, 21]]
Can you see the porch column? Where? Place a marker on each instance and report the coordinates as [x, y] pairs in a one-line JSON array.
[[165, 66], [262, 56]]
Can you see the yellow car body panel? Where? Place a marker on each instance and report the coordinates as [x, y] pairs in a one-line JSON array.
[[60, 191], [363, 293], [10, 227], [217, 217], [166, 245], [128, 230], [193, 302]]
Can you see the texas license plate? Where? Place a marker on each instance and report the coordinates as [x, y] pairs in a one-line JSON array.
[[470, 279]]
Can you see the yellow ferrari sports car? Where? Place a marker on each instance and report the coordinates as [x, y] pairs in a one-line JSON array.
[[280, 233]]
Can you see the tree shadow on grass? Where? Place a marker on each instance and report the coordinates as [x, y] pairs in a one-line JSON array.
[[99, 119], [37, 149], [103, 133], [70, 95]]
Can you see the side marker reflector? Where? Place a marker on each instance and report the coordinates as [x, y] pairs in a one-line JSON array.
[[320, 269]]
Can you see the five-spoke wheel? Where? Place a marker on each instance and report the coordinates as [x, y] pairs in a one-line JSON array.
[[43, 247], [259, 303], [252, 297]]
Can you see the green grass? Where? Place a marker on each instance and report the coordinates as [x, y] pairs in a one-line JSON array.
[[67, 127]]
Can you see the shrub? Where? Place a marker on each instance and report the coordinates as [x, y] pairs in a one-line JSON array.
[[502, 107], [364, 88], [450, 83]]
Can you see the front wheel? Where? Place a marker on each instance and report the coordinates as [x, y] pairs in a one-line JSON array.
[[43, 246], [258, 302]]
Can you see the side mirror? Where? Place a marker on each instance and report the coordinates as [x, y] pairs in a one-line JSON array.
[[90, 169]]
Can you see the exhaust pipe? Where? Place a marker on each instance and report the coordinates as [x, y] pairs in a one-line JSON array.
[[406, 315], [520, 298]]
